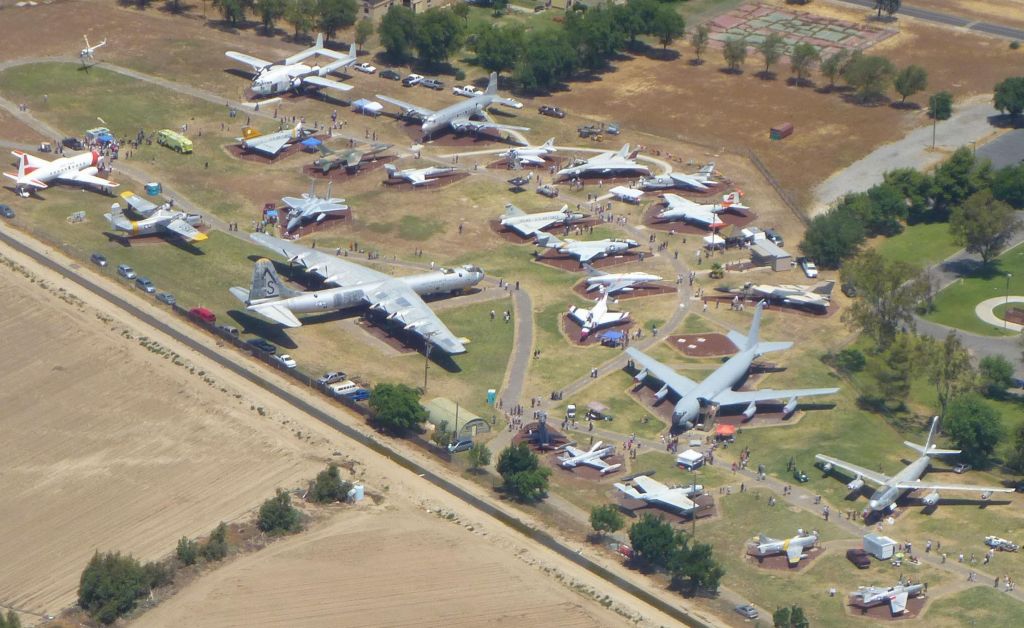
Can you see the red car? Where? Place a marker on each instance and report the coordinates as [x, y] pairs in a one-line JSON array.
[[203, 314]]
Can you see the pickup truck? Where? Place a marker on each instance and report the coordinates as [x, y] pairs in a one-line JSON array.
[[466, 90]]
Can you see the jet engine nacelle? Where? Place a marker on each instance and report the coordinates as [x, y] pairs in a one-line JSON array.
[[986, 495], [750, 411], [662, 392], [641, 376], [931, 499], [90, 171], [827, 467], [855, 485], [789, 408]]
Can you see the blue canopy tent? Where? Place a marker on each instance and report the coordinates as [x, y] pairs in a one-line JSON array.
[[105, 138], [613, 338], [311, 143]]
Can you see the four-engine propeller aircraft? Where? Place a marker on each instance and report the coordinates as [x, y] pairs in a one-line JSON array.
[[349, 158], [896, 597], [586, 250], [706, 216], [717, 388], [612, 162], [34, 173], [533, 155], [292, 74], [419, 176], [891, 488], [700, 181], [397, 297], [596, 317], [529, 225], [309, 207], [591, 457], [155, 219], [271, 143], [793, 547], [462, 116], [653, 492], [612, 283]]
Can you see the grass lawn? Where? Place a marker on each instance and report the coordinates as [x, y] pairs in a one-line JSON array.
[[629, 416], [955, 305], [978, 606], [920, 245]]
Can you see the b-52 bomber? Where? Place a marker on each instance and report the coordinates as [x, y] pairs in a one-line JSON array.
[[309, 207], [717, 388], [700, 181], [620, 162], [292, 74], [586, 250], [155, 219], [399, 298], [529, 225], [350, 158], [418, 176]]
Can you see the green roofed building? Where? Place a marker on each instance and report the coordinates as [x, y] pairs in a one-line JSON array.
[[460, 420]]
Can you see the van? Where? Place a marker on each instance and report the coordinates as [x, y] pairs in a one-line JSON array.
[[340, 389], [203, 314], [126, 271], [174, 140], [460, 444], [570, 411]]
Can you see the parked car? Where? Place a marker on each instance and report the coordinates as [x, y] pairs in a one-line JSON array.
[[774, 236], [166, 297], [548, 110], [144, 284], [595, 415], [466, 90], [961, 468], [228, 329], [570, 411], [589, 130], [126, 271], [359, 394], [262, 345], [747, 610], [365, 67], [331, 377], [612, 129], [860, 558], [286, 360], [98, 259], [73, 143], [203, 314], [412, 79], [549, 191], [809, 268], [432, 83], [460, 444], [6, 211], [799, 476], [1001, 544], [343, 388], [849, 289], [390, 74]]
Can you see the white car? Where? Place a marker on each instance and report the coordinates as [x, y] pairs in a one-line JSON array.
[[809, 268], [286, 360], [1000, 544], [365, 67], [412, 79], [466, 90]]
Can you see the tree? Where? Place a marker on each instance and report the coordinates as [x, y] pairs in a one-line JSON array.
[[301, 14], [832, 237], [869, 75], [668, 25], [804, 56], [771, 50], [442, 435], [1008, 186], [887, 292], [699, 40], [364, 31], [850, 361], [735, 53], [216, 547], [187, 551], [635, 17], [889, 6], [397, 407], [232, 10], [915, 188], [974, 426], [909, 81], [270, 11], [328, 487], [1009, 96], [525, 480], [790, 617], [596, 35], [948, 366], [652, 539], [278, 516], [397, 32], [439, 34], [983, 225], [479, 456], [954, 181], [1016, 459], [940, 107], [12, 621], [498, 48], [832, 66], [461, 9], [888, 209], [996, 375], [499, 6], [110, 585], [696, 563], [894, 370], [605, 519], [552, 59], [335, 14]]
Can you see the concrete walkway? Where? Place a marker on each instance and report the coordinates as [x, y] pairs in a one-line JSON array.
[[984, 311]]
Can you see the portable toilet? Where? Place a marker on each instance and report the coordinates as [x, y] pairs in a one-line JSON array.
[[492, 395], [356, 493], [881, 547], [153, 189]]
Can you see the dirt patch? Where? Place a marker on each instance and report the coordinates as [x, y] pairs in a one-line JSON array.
[[639, 291], [342, 174], [703, 345], [564, 262], [730, 218], [780, 562], [882, 612]]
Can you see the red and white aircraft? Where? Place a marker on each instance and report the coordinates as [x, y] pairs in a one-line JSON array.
[[34, 173]]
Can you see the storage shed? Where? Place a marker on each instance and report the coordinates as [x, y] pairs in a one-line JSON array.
[[464, 423], [781, 131], [767, 253]]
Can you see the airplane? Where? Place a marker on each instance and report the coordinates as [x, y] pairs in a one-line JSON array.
[[355, 285], [792, 547], [34, 173], [586, 250], [533, 155], [460, 116], [520, 182], [349, 158], [813, 297], [155, 219], [717, 388], [653, 492], [610, 162], [891, 488], [89, 51], [528, 225], [612, 283], [419, 176], [700, 181], [679, 208], [896, 596], [291, 74], [592, 458], [596, 317], [271, 143], [310, 207]]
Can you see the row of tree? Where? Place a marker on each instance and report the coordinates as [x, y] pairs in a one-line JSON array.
[[10, 621], [328, 16]]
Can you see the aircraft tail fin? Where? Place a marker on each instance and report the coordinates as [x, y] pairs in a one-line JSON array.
[[353, 50], [297, 131], [929, 448], [391, 170], [319, 41], [593, 272], [628, 490], [755, 327], [824, 288], [22, 163], [623, 152], [548, 144], [707, 170], [266, 284], [492, 84]]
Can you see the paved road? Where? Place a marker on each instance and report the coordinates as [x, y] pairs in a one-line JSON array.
[[946, 19]]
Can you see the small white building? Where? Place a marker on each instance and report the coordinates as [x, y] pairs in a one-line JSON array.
[[690, 459], [767, 253]]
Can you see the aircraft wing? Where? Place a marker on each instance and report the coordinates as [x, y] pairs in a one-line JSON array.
[[733, 397], [574, 452], [898, 602], [530, 159], [867, 474], [420, 111], [139, 204], [320, 81], [586, 253], [402, 304], [689, 181], [678, 383], [181, 228], [79, 177], [597, 463], [334, 270], [465, 124], [675, 499], [649, 484], [277, 313], [269, 144], [416, 177], [917, 484], [256, 63], [793, 552], [621, 284]]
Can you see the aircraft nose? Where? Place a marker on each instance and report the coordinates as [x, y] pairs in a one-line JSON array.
[[873, 504]]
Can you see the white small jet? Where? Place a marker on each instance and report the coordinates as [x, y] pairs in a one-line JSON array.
[[292, 74], [155, 219], [896, 597], [529, 225], [591, 457], [653, 492], [794, 547], [612, 283], [679, 208], [596, 317], [89, 51], [700, 181], [34, 173], [611, 162], [586, 250], [271, 143], [419, 176], [533, 155]]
